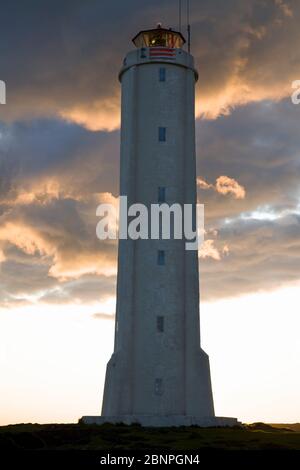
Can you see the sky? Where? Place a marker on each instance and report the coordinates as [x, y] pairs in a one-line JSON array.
[[59, 158]]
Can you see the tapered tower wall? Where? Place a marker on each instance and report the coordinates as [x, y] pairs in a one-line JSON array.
[[158, 367]]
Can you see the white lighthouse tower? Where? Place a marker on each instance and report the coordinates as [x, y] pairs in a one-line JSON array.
[[158, 374]]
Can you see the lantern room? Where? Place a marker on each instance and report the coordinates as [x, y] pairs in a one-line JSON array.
[[159, 37]]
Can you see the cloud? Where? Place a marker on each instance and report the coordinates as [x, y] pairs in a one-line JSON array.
[[240, 53], [69, 67], [224, 185], [285, 8], [2, 256], [55, 167], [208, 250], [50, 238], [102, 115], [64, 232], [257, 145], [53, 175], [87, 289], [103, 316], [47, 156], [203, 184], [264, 255], [48, 220]]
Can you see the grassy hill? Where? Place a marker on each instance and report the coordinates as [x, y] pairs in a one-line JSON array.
[[293, 427], [118, 438]]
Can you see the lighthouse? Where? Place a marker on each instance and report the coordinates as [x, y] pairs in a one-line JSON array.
[[158, 374]]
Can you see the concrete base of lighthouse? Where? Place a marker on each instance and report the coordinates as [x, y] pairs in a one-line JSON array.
[[162, 421], [198, 385]]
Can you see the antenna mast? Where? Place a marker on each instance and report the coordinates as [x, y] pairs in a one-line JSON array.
[[188, 24], [179, 15]]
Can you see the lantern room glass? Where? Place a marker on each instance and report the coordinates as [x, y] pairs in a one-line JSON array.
[[159, 37]]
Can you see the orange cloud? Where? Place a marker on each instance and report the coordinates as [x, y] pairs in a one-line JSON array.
[[26, 238], [225, 250], [285, 8], [224, 185], [101, 115], [66, 262], [68, 254], [2, 256], [208, 250], [85, 262], [203, 184]]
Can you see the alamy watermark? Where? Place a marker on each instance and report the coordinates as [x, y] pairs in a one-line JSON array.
[[2, 92], [296, 95], [160, 221]]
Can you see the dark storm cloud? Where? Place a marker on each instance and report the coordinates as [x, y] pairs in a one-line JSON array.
[[88, 288], [259, 146], [60, 61], [262, 255], [64, 230], [50, 252], [25, 281], [62, 58], [31, 151], [49, 243], [53, 176], [22, 276]]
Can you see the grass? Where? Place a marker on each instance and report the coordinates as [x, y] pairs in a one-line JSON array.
[[109, 437]]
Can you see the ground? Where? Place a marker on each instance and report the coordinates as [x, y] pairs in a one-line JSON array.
[[119, 438]]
